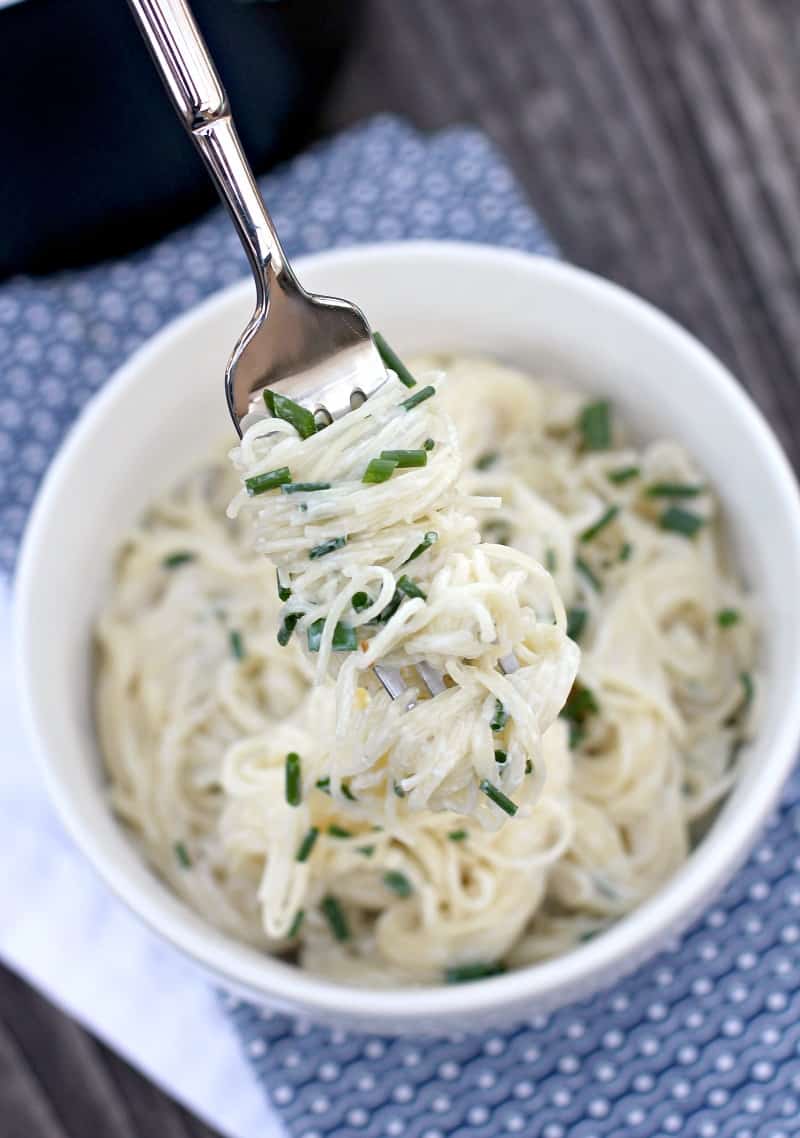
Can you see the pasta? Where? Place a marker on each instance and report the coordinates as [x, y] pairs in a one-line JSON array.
[[198, 705]]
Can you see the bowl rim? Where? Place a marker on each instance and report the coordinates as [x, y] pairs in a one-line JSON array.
[[626, 943]]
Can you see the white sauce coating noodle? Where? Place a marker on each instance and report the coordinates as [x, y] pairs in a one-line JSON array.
[[198, 706]]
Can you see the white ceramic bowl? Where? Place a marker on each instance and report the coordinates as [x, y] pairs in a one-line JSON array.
[[164, 410]]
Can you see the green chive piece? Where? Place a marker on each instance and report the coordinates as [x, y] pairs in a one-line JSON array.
[[605, 519], [497, 797], [303, 487], [335, 917], [296, 924], [360, 601], [418, 397], [365, 851], [335, 831], [294, 788], [386, 614], [270, 480], [398, 789], [410, 588], [429, 444], [398, 883], [329, 546], [594, 423], [393, 361], [323, 784], [528, 766], [581, 703], [576, 621], [281, 407], [237, 644], [430, 538], [344, 637], [623, 474], [287, 628], [591, 577], [625, 550], [673, 490], [486, 460], [728, 617], [182, 854], [587, 935], [284, 592], [500, 716], [458, 835], [406, 458], [749, 691], [500, 756], [347, 792], [175, 560], [379, 470], [550, 560], [681, 521], [463, 973], [307, 844]]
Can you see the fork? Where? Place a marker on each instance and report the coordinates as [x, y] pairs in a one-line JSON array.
[[318, 350]]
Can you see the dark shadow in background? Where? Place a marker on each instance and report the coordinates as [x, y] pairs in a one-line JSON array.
[[93, 160]]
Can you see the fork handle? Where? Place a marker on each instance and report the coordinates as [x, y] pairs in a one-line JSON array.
[[183, 60]]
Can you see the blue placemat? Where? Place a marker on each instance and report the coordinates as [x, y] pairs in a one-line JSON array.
[[704, 1041]]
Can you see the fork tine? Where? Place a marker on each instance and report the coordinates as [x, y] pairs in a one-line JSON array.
[[391, 680], [433, 680]]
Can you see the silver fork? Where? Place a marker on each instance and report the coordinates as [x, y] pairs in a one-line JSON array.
[[318, 350]]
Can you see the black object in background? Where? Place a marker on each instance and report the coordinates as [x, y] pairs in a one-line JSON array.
[[93, 160]]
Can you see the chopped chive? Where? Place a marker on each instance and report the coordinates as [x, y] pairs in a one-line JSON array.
[[673, 490], [406, 458], [269, 480], [458, 835], [398, 789], [393, 361], [307, 844], [296, 924], [463, 973], [728, 617], [430, 538], [550, 560], [500, 716], [344, 637], [385, 615], [486, 460], [580, 704], [294, 789], [587, 935], [335, 917], [284, 592], [576, 621], [335, 831], [281, 407], [418, 397], [500, 756], [410, 587], [329, 546], [398, 883], [429, 444], [303, 487], [591, 577], [237, 644], [528, 766], [496, 795], [182, 854], [594, 423], [379, 470], [623, 474], [577, 733], [749, 690], [175, 560], [360, 601], [625, 550], [681, 521], [605, 519], [365, 851], [323, 784], [287, 628]]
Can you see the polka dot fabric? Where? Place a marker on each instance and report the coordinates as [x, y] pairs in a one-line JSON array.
[[705, 1040], [61, 337]]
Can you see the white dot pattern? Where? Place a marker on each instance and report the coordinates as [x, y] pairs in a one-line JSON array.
[[706, 1039]]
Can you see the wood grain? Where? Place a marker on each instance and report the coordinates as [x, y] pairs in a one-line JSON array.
[[660, 141]]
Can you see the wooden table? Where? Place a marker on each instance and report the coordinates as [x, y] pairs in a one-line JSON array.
[[660, 141]]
